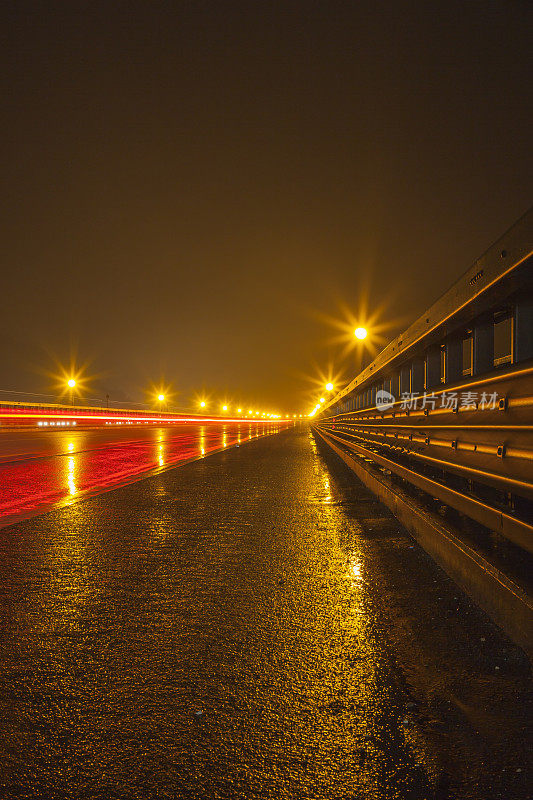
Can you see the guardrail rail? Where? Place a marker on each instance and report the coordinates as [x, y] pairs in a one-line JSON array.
[[445, 413]]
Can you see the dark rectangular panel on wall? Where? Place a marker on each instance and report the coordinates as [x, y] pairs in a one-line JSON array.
[[523, 333]]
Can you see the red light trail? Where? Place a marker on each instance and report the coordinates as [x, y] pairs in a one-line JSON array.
[[25, 413], [43, 468]]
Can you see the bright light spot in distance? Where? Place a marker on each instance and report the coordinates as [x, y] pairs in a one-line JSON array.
[[329, 386], [71, 382], [161, 397], [360, 333]]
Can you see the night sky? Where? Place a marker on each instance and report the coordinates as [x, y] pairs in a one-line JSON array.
[[193, 192]]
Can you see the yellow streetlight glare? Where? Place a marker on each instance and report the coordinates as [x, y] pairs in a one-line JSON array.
[[360, 333], [160, 397], [329, 386], [202, 404], [224, 408], [71, 382], [239, 411], [321, 400]]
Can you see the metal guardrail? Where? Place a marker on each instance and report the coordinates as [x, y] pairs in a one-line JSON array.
[[448, 405], [42, 414]]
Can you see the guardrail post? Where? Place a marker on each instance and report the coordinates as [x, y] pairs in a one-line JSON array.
[[432, 367], [483, 346], [523, 329], [454, 359], [395, 385]]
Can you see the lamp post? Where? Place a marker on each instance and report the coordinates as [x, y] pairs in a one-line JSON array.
[[361, 334], [71, 383]]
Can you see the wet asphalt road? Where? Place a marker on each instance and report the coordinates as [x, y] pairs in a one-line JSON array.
[[246, 626], [41, 469]]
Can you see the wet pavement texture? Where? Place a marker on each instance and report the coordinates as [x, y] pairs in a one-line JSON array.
[[251, 625], [40, 469]]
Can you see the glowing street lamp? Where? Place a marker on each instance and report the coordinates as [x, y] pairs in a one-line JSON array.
[[329, 387], [224, 408], [239, 411], [321, 400], [71, 383], [360, 333], [202, 403]]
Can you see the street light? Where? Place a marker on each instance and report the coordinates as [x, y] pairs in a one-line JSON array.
[[329, 386], [71, 383], [224, 408], [202, 403], [360, 333], [321, 400]]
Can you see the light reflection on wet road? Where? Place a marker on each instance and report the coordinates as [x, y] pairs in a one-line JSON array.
[[218, 631], [39, 469]]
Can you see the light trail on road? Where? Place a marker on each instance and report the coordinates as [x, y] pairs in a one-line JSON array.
[[43, 469]]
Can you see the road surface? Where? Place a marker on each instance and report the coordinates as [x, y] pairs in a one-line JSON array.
[[43, 468], [251, 625]]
